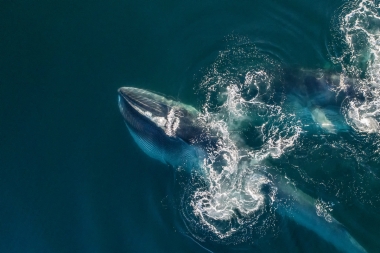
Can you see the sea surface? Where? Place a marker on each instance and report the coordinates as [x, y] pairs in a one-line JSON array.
[[73, 180]]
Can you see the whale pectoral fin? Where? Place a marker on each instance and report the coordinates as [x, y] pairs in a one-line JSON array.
[[329, 119]]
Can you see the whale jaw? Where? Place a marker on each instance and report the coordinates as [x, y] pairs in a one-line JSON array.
[[175, 119], [163, 128]]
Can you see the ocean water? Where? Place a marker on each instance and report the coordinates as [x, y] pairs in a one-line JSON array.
[[73, 180]]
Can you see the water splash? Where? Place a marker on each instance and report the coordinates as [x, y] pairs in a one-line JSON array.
[[236, 201], [324, 209], [359, 28]]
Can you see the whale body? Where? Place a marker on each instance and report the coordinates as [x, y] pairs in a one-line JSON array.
[[167, 131]]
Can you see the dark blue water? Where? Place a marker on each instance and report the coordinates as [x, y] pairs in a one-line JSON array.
[[73, 180]]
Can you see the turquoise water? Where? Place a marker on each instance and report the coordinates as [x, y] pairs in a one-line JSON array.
[[73, 180]]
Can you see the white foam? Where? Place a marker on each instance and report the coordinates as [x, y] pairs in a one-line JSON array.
[[233, 198], [360, 27], [324, 209], [237, 93], [172, 122]]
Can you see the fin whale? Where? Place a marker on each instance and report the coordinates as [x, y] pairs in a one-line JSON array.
[[167, 130]]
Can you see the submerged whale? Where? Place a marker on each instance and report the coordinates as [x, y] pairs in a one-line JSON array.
[[168, 131], [314, 98]]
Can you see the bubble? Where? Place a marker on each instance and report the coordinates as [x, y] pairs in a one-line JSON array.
[[324, 209]]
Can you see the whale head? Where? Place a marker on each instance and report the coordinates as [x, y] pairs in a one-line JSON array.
[[163, 128]]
